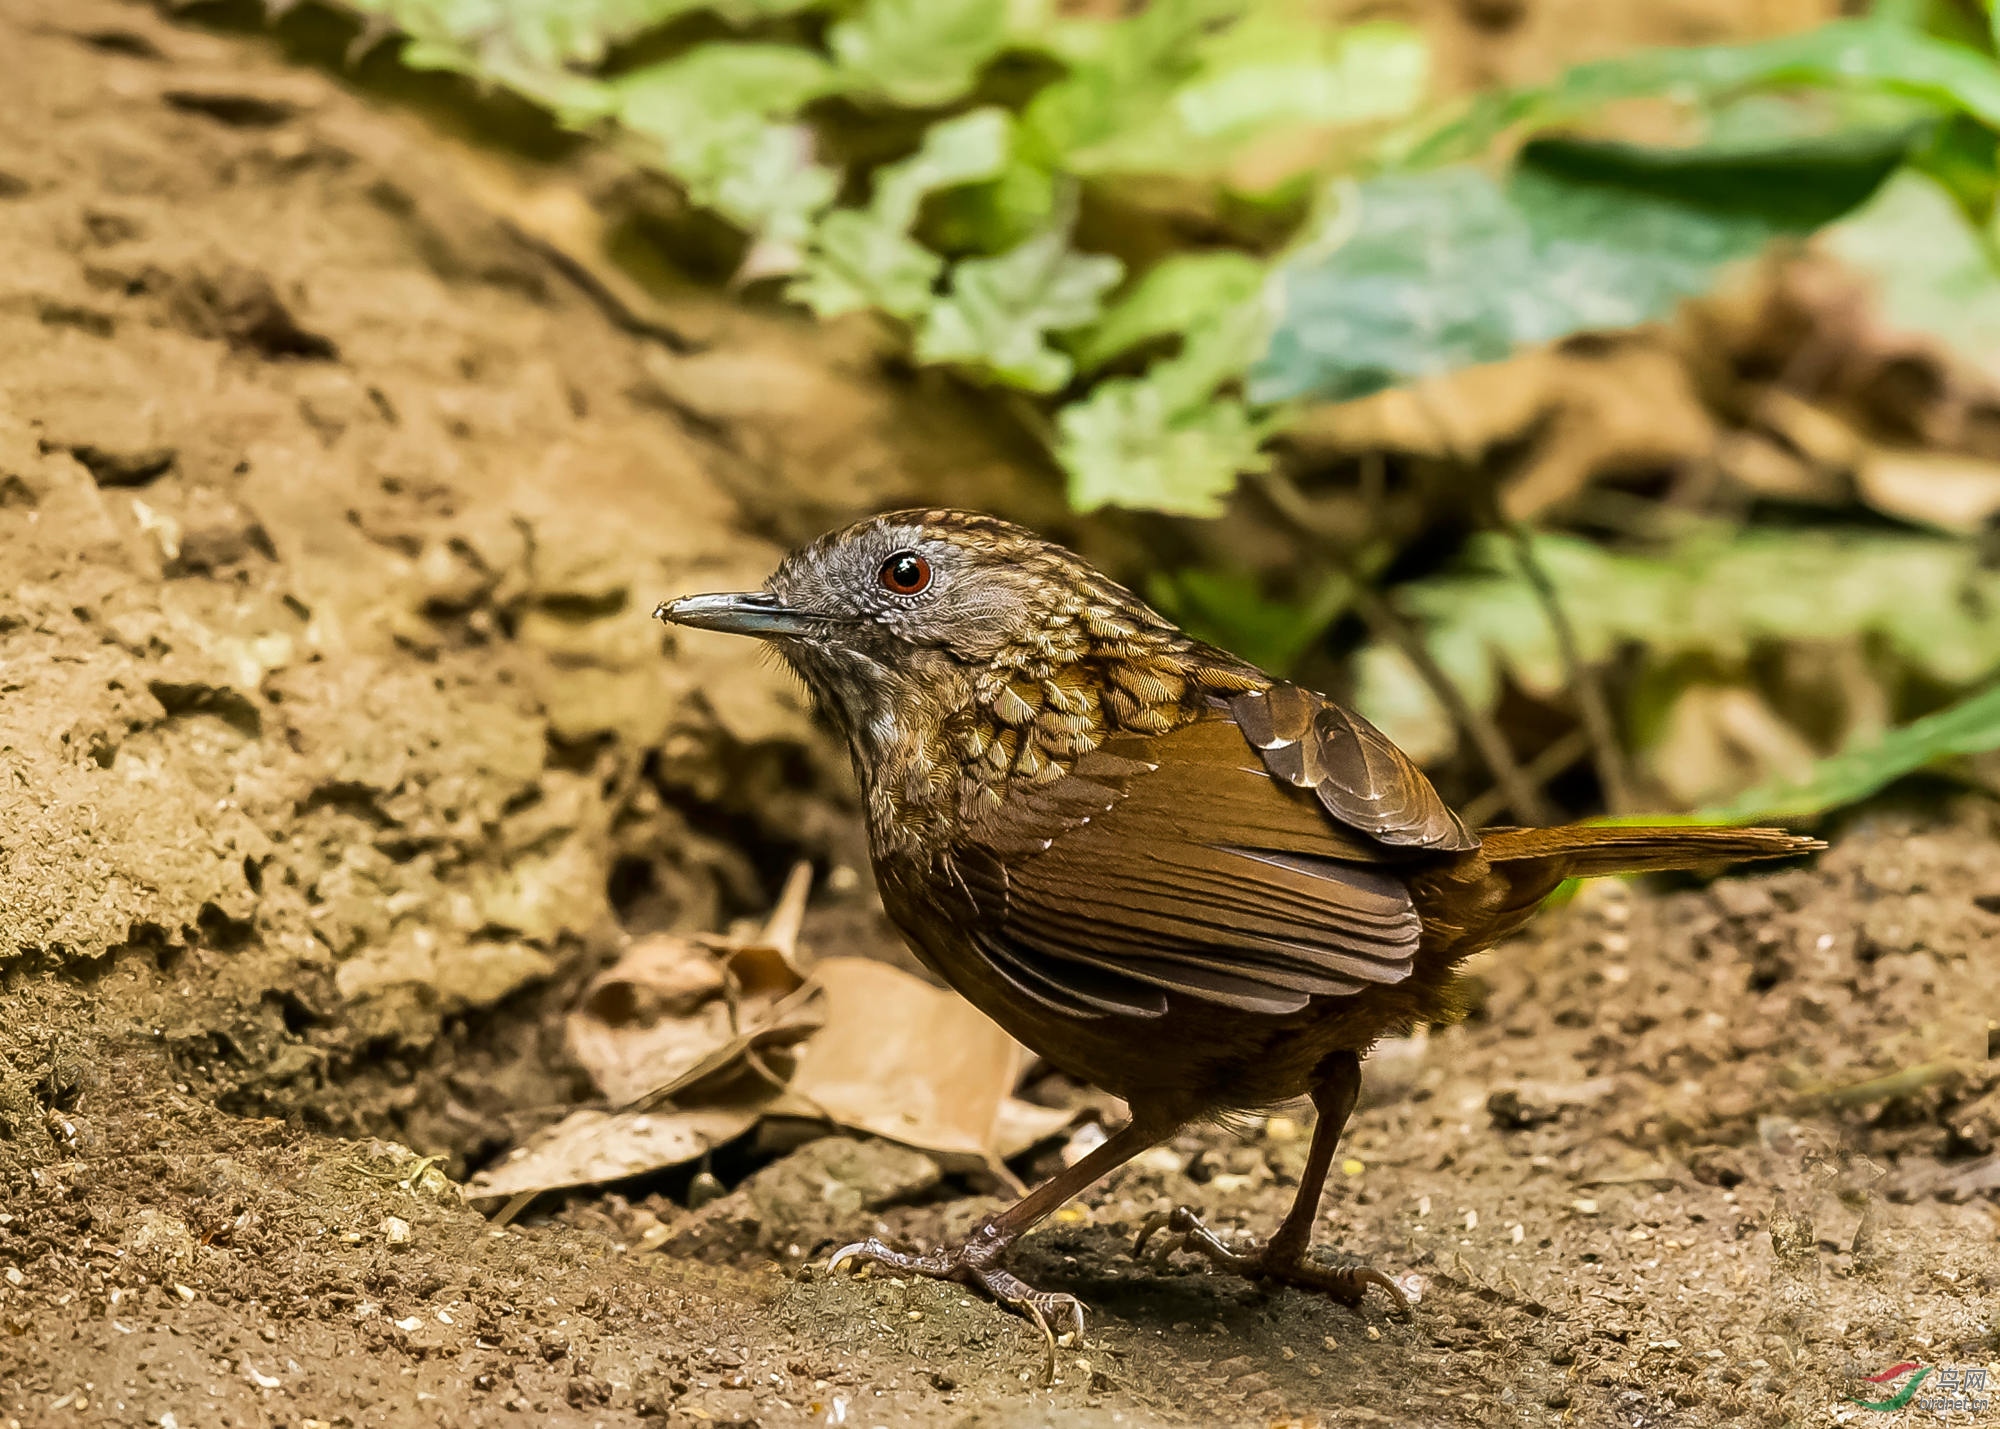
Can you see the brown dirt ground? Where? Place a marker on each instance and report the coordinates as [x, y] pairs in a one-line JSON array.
[[335, 752]]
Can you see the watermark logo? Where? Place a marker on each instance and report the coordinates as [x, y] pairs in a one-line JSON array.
[[1935, 1389]]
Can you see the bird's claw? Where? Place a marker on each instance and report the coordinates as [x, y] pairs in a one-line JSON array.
[[874, 1252], [970, 1264], [1185, 1231]]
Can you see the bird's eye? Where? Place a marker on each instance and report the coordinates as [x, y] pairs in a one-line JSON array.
[[905, 573]]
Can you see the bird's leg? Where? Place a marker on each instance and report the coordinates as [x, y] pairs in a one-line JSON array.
[[974, 1261], [1283, 1257]]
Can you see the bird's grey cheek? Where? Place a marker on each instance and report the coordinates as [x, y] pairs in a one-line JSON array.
[[982, 621]]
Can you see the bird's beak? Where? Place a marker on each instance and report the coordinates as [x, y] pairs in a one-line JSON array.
[[756, 613]]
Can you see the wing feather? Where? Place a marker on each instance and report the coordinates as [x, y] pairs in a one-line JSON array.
[[1183, 865], [1361, 778]]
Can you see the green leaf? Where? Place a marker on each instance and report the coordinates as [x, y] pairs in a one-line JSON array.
[[1165, 442], [1424, 273], [1122, 77], [922, 53], [1179, 87], [760, 177], [708, 118], [716, 83], [575, 100], [1446, 269], [994, 216], [1000, 310], [1926, 602], [549, 35], [971, 148], [1124, 445], [1789, 161], [1175, 294], [867, 258], [1296, 71], [859, 261], [1971, 726], [749, 12], [1851, 54], [1932, 272]]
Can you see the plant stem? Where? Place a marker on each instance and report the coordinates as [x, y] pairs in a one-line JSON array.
[[1593, 708], [1389, 625], [1606, 753]]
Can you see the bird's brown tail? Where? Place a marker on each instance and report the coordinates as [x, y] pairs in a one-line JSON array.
[[1587, 850]]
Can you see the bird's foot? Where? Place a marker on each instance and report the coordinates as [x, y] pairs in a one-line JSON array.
[[973, 1263], [1184, 1231]]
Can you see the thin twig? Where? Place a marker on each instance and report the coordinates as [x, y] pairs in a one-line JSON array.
[[1573, 746], [1387, 624], [516, 1204], [1592, 706]]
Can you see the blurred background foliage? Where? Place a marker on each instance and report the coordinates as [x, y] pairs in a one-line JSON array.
[[1626, 440]]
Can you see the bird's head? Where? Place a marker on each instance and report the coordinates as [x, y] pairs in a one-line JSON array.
[[914, 614]]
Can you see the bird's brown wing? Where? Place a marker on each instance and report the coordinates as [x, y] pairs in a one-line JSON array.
[[1350, 766], [1177, 864]]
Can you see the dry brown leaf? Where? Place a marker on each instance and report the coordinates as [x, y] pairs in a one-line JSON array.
[[1023, 1124], [1762, 464], [906, 1061], [1582, 415], [675, 1011], [1948, 490], [1719, 740], [864, 1047], [588, 1146], [1469, 410]]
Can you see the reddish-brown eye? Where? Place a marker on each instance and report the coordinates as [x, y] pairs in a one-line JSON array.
[[905, 573]]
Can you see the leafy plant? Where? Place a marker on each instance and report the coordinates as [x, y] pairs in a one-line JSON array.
[[1419, 265], [965, 241], [1927, 602], [1354, 241], [1972, 726]]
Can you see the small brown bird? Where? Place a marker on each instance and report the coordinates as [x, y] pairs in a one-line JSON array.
[[1173, 876]]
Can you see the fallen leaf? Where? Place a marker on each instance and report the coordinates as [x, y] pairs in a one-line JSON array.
[[1948, 490], [589, 1146], [1719, 739], [675, 1011], [1023, 1124], [908, 1062]]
